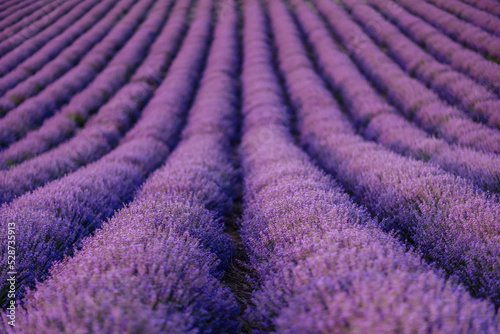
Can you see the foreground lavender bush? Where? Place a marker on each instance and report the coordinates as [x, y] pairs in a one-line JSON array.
[[163, 245], [322, 265], [451, 222], [379, 120], [51, 220]]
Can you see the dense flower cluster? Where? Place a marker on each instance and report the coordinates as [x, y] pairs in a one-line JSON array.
[[413, 98], [466, 33], [439, 45], [323, 265], [49, 224], [156, 264], [256, 166], [379, 120]]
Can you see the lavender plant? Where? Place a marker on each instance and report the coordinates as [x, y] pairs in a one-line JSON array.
[[168, 245], [34, 110], [418, 103], [441, 46], [453, 224], [378, 120], [52, 219], [16, 69], [322, 264]]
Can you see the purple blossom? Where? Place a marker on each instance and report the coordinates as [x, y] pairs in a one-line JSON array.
[[53, 218], [441, 46], [415, 100], [322, 264], [168, 245]]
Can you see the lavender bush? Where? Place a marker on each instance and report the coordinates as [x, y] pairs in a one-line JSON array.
[[441, 46], [461, 31], [451, 222], [259, 166], [16, 70], [34, 110], [66, 210], [108, 87], [323, 265], [454, 87], [173, 226], [47, 15], [380, 121], [418, 103]]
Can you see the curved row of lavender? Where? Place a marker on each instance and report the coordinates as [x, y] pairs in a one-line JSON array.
[[31, 112], [25, 17], [53, 219], [7, 7], [441, 46], [20, 53], [38, 71], [52, 13], [18, 11], [479, 18], [322, 264], [167, 247], [110, 86], [9, 4], [485, 5], [418, 103], [462, 31], [454, 87], [113, 119], [451, 222], [96, 108], [380, 121], [17, 69]]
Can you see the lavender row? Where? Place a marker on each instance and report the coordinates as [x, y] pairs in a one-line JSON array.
[[37, 57], [414, 99], [323, 265], [84, 104], [379, 120], [19, 19], [486, 5], [104, 129], [461, 31], [452, 223], [29, 114], [480, 19], [440, 46], [16, 96], [53, 12], [50, 220], [11, 11], [11, 5], [454, 87], [39, 70], [174, 222]]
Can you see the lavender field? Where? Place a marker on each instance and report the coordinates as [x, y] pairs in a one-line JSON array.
[[249, 166]]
